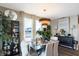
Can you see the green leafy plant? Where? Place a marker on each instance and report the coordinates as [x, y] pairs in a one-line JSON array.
[[6, 37], [5, 31], [46, 34], [62, 31]]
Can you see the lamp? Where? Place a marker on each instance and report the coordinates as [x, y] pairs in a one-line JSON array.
[[44, 25], [45, 21]]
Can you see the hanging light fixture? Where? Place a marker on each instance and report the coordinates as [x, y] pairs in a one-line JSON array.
[[45, 21], [44, 25]]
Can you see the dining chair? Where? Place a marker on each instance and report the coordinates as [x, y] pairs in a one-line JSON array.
[[24, 48], [51, 49], [48, 50]]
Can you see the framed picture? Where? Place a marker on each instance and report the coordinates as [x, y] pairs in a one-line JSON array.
[[64, 24]]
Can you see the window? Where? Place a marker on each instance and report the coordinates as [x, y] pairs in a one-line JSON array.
[[28, 28], [38, 25]]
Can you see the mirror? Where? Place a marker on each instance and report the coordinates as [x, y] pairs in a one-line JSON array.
[[11, 14]]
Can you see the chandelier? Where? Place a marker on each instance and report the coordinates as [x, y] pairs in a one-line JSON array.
[[45, 21]]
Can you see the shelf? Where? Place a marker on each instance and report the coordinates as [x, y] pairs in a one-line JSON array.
[[13, 44]]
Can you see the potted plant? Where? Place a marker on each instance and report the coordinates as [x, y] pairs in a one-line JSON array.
[[62, 31], [46, 34], [5, 30]]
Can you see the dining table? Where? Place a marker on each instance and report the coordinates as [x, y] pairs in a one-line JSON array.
[[37, 46], [41, 46]]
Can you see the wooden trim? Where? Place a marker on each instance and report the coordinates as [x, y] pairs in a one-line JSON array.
[[78, 19], [69, 24]]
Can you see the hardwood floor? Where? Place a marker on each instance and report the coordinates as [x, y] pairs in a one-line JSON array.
[[63, 51]]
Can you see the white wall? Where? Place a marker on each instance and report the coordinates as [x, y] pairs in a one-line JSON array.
[[71, 26], [54, 26], [74, 26]]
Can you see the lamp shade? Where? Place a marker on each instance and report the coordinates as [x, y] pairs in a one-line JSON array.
[[44, 26], [45, 21]]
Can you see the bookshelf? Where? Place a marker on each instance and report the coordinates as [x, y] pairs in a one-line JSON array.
[[9, 46]]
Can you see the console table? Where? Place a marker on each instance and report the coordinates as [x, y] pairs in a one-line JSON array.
[[67, 41]]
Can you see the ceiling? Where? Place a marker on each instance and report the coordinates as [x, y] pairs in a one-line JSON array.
[[49, 10]]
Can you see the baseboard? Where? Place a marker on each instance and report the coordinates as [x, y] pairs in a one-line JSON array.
[[66, 46]]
